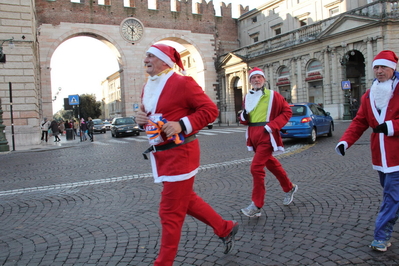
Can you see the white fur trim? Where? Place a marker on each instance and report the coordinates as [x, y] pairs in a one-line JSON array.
[[345, 147], [384, 62], [390, 128], [189, 127], [161, 55], [257, 72]]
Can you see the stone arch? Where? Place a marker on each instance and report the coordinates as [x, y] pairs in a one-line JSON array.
[[45, 61]]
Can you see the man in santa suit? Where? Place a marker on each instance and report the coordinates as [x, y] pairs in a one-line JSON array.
[[265, 112], [183, 107], [379, 110]]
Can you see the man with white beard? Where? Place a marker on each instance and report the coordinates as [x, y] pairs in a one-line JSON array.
[[379, 109], [175, 104]]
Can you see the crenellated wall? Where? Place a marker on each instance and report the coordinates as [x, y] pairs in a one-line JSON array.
[[223, 27]]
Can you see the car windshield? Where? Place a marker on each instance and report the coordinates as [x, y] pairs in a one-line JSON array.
[[123, 121], [97, 122], [298, 110]]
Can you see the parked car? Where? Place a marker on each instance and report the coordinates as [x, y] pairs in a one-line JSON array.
[[308, 121], [124, 126], [99, 126], [107, 125]]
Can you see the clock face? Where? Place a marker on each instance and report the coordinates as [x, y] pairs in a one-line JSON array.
[[132, 29]]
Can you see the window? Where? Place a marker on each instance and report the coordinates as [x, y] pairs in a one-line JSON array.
[[277, 31], [334, 11], [254, 19], [255, 37], [303, 22]]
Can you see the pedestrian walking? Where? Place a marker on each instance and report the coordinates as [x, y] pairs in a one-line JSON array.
[[379, 109], [265, 112], [90, 128], [174, 108], [44, 126], [75, 126], [55, 130], [83, 130], [61, 126]]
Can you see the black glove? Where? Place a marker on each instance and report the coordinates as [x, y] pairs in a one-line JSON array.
[[382, 128], [245, 115], [341, 149]]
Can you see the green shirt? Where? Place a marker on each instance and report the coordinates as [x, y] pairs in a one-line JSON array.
[[259, 113]]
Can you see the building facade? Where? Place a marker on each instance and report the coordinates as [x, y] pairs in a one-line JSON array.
[[311, 51]]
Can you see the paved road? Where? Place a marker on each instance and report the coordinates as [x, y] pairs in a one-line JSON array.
[[96, 204]]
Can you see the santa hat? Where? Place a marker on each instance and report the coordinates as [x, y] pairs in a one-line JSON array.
[[256, 71], [167, 54], [386, 58]]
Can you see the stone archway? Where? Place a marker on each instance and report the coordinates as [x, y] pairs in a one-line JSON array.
[[47, 51]]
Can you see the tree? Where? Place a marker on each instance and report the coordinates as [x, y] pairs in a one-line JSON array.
[[88, 107]]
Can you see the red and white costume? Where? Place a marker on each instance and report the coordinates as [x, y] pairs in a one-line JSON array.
[[179, 98], [384, 148], [268, 112]]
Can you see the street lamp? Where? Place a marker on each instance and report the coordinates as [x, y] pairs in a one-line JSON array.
[[11, 45]]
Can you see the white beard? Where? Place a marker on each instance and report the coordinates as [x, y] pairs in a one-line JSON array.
[[152, 90], [382, 93], [252, 99]]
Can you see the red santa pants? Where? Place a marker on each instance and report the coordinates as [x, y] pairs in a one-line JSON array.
[[263, 158], [177, 200]]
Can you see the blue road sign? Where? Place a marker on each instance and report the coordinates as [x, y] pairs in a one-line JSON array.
[[73, 99], [346, 85]]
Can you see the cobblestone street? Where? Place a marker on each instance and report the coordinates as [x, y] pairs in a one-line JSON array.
[[96, 204]]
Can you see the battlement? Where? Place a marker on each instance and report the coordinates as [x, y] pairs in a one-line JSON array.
[[112, 12]]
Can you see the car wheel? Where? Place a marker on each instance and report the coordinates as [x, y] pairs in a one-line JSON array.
[[312, 138], [329, 134]]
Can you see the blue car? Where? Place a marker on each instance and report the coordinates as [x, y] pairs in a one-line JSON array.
[[308, 121]]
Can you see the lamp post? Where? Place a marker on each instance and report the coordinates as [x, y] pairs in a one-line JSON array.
[[10, 45]]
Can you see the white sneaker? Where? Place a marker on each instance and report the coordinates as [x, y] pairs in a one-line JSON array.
[[289, 196], [251, 211]]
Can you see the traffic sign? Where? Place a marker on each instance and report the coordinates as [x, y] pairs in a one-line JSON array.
[[73, 99], [346, 85]]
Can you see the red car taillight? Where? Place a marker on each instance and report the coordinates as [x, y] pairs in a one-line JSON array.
[[306, 120]]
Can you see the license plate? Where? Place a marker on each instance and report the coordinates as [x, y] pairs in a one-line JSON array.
[[129, 131], [289, 124]]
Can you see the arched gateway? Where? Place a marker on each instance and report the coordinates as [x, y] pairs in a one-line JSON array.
[[204, 35]]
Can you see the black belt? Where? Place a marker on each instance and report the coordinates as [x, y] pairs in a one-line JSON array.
[[167, 146], [257, 124]]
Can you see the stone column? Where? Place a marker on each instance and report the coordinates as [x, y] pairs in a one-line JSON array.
[[369, 63], [327, 78]]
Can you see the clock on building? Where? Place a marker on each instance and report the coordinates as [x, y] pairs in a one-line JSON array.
[[132, 29]]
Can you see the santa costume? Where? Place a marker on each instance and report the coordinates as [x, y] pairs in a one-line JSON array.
[[380, 109], [265, 113], [174, 97]]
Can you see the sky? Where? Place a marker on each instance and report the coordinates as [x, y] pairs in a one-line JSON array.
[[80, 64]]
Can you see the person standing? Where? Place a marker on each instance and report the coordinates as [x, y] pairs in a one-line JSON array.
[[183, 108], [265, 113], [55, 130], [61, 127], [90, 128], [83, 130], [379, 109], [75, 126], [44, 126]]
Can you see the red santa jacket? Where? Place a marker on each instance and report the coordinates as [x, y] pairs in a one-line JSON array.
[[182, 99], [279, 113], [384, 148]]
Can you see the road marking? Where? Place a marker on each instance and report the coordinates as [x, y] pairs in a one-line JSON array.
[[292, 150]]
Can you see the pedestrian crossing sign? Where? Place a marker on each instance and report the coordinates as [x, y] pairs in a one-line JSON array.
[[346, 85], [73, 99]]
